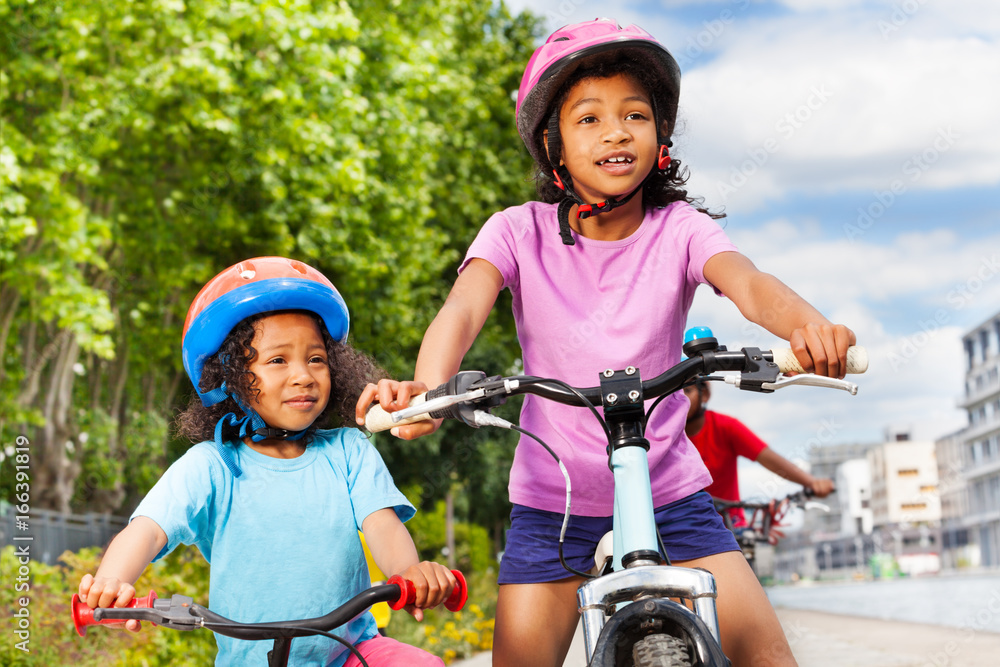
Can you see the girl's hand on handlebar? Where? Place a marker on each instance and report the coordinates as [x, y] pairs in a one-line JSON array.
[[107, 592], [433, 583], [822, 348], [392, 395]]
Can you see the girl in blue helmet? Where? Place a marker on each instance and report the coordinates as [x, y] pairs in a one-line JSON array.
[[603, 271], [278, 487]]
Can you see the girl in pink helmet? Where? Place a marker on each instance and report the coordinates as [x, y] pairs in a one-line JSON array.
[[603, 271], [279, 484]]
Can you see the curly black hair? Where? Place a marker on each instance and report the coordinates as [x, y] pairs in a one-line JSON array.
[[663, 187], [350, 371]]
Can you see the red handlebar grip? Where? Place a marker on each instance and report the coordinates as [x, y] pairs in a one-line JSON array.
[[408, 593], [459, 595], [83, 615]]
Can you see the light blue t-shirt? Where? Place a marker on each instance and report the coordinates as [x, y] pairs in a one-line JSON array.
[[282, 538]]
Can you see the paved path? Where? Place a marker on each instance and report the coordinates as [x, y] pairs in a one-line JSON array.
[[831, 640]]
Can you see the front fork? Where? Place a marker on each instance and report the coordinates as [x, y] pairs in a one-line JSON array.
[[599, 598]]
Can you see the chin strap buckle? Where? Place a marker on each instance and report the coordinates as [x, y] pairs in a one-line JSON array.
[[587, 210]]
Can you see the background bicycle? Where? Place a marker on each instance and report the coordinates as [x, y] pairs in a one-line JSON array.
[[760, 527]]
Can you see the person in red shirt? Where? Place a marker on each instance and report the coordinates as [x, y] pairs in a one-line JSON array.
[[720, 439]]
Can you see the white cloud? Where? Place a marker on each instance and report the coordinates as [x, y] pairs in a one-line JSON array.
[[820, 108], [916, 373]]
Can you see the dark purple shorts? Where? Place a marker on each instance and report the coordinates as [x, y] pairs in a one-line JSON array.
[[691, 528]]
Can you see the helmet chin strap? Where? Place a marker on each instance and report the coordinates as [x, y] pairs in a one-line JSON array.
[[585, 210], [250, 425]]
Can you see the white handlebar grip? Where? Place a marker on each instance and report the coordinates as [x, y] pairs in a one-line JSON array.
[[377, 419], [857, 360]]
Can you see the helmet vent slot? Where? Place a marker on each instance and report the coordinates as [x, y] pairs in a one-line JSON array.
[[246, 270]]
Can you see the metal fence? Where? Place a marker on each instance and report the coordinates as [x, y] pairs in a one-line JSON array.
[[52, 533]]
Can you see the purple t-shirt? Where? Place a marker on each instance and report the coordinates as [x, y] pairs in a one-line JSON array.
[[585, 308]]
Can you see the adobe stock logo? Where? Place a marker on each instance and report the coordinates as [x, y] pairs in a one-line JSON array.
[[786, 127], [914, 167]]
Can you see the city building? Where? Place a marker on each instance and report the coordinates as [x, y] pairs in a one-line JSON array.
[[824, 461], [904, 478], [906, 504], [981, 439], [887, 503], [854, 485], [956, 549]]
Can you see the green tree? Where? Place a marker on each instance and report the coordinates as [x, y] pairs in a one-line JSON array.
[[146, 146]]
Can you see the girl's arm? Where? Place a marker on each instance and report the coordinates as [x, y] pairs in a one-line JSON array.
[[819, 345], [394, 552], [127, 556], [782, 467], [445, 343]]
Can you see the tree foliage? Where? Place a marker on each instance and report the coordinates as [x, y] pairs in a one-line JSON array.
[[146, 146]]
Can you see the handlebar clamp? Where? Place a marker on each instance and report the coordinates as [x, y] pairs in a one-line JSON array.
[[621, 394], [622, 400]]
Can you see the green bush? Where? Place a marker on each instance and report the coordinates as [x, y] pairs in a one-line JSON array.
[[473, 547], [53, 639]]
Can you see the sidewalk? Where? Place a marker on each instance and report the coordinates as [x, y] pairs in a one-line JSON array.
[[830, 640]]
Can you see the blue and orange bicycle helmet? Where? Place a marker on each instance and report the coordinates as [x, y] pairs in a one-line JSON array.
[[554, 62], [252, 287]]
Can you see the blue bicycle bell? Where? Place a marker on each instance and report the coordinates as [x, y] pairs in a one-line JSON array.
[[699, 339]]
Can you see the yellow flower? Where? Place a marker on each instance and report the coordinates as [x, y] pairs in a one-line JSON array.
[[476, 610], [470, 637], [428, 630], [432, 640], [449, 655]]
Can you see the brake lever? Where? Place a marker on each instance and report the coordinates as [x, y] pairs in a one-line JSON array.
[[178, 612], [806, 379], [811, 380], [814, 505]]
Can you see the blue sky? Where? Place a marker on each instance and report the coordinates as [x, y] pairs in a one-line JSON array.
[[855, 147]]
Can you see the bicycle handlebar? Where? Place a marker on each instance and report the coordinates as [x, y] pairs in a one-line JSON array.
[[797, 498], [181, 613], [759, 371]]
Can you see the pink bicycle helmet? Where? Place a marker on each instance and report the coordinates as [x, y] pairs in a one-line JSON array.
[[550, 68], [566, 49]]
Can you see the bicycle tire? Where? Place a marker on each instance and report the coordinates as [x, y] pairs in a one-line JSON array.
[[661, 650]]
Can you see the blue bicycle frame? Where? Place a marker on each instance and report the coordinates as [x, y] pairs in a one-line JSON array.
[[638, 575]]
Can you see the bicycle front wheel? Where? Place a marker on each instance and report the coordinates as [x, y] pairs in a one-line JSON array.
[[661, 650]]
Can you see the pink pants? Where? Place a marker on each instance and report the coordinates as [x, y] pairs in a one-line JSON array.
[[387, 651]]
